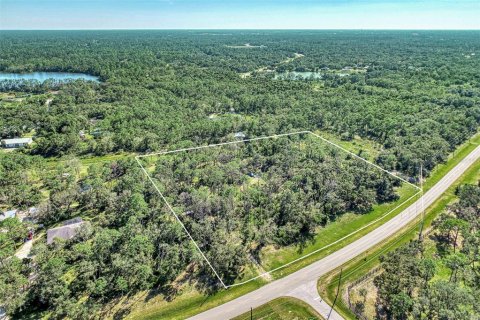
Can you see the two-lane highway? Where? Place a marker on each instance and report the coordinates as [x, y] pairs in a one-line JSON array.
[[294, 284]]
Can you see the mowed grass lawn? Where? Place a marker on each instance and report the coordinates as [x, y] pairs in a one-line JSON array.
[[284, 308]]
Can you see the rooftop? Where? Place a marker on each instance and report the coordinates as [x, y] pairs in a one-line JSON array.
[[8, 214], [17, 140], [64, 232]]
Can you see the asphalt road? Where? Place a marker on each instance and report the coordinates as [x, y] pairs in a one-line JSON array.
[[301, 284]]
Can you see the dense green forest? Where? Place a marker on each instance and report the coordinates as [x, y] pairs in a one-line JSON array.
[[439, 279], [414, 95], [238, 198], [417, 93]]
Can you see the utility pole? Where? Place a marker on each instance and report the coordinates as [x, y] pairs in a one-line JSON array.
[[420, 236], [336, 296], [251, 313]]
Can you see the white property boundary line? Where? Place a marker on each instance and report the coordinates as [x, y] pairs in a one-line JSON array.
[[137, 158]]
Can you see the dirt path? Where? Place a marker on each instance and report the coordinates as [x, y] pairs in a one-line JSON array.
[[24, 250], [295, 57], [265, 69]]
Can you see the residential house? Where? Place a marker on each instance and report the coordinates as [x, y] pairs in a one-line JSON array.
[[8, 214], [67, 231], [16, 142], [240, 135]]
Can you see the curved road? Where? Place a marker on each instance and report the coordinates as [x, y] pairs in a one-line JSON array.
[[302, 283]]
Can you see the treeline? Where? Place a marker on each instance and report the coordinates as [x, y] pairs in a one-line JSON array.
[[30, 86], [439, 278], [418, 98]]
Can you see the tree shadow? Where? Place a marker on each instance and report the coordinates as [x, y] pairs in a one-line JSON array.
[[306, 239], [208, 283], [124, 308], [441, 244], [202, 280], [122, 313], [255, 254]]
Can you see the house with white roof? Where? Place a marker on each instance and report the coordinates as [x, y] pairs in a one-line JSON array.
[[8, 214], [16, 142], [240, 135]]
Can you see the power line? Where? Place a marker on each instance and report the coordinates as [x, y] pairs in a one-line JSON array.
[[336, 296], [420, 236]]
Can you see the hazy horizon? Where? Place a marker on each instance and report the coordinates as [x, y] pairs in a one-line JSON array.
[[234, 29], [239, 15]]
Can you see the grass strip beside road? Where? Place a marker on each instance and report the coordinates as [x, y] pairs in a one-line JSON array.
[[86, 161], [359, 266], [188, 303], [284, 308]]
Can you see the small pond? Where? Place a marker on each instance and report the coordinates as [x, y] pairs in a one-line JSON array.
[[42, 76], [297, 75]]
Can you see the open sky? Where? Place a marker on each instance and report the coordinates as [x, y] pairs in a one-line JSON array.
[[239, 14]]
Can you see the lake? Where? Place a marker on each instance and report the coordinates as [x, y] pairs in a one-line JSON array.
[[42, 76], [297, 75]]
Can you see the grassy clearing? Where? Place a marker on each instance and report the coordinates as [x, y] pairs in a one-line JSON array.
[[296, 55], [362, 264], [107, 158], [284, 308], [367, 149], [245, 46]]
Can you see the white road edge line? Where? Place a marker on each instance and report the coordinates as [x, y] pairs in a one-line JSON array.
[[137, 158]]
